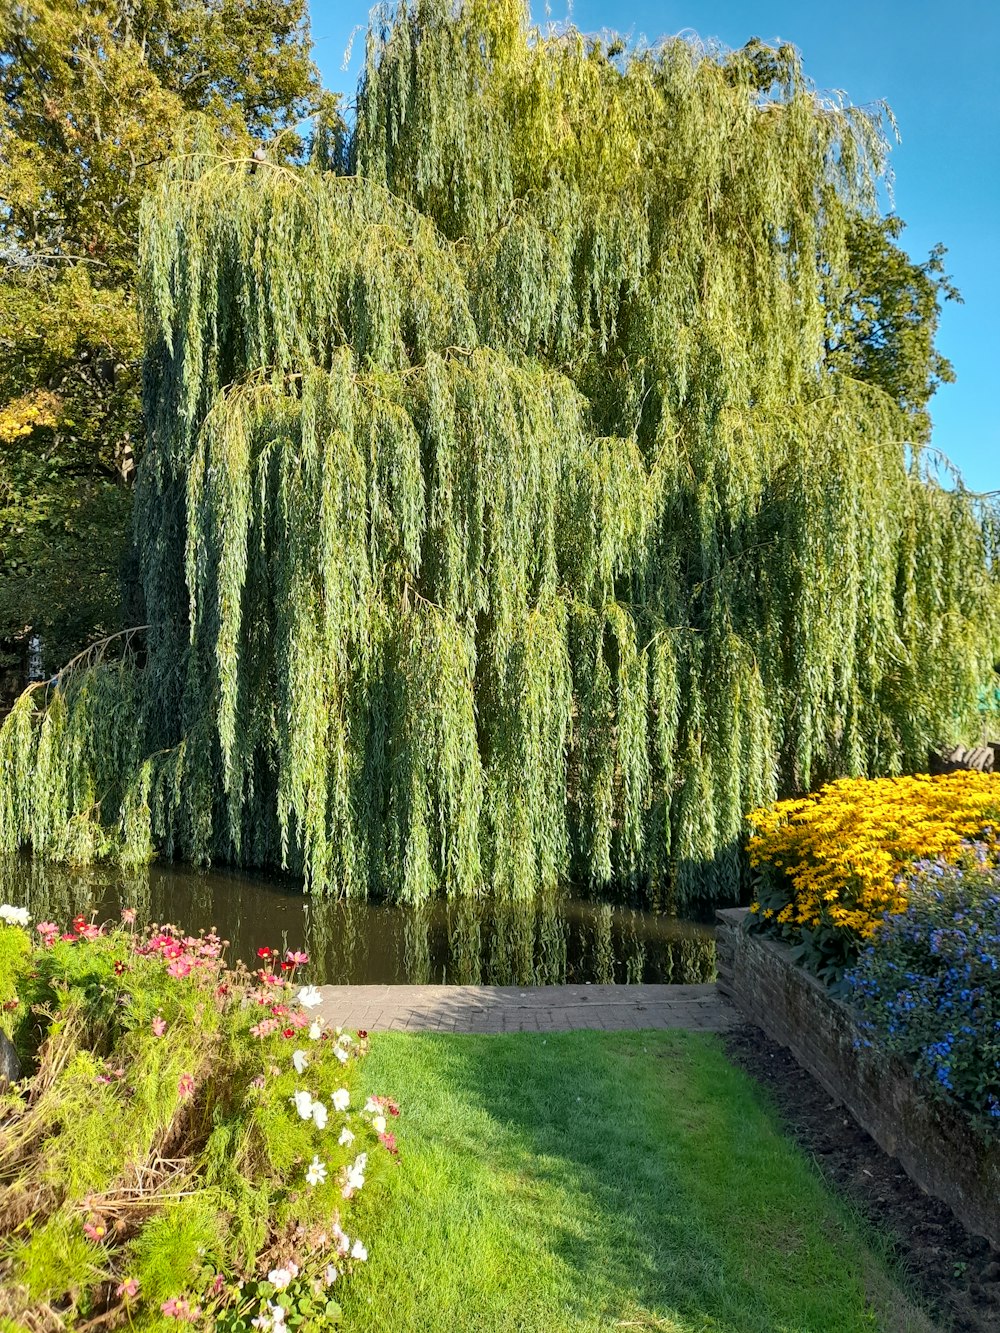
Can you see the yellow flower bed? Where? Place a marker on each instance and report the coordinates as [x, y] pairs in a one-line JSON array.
[[840, 850]]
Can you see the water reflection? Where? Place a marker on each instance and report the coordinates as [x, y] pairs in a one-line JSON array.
[[551, 939]]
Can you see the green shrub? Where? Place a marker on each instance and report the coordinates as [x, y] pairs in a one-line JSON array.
[[174, 1152]]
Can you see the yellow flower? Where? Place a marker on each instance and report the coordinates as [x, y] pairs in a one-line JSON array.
[[840, 850]]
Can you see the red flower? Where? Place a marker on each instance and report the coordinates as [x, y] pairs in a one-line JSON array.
[[288, 1032], [362, 1034], [264, 952], [119, 967]]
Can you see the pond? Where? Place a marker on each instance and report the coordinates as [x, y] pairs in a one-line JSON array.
[[548, 940]]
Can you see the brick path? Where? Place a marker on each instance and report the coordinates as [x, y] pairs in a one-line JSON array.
[[525, 1009]]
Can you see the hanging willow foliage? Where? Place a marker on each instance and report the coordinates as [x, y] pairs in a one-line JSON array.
[[504, 517]]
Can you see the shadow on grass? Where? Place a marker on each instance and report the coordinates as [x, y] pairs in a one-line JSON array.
[[587, 1180]]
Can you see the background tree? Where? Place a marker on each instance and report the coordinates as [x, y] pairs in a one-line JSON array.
[[531, 495], [93, 96], [883, 318]]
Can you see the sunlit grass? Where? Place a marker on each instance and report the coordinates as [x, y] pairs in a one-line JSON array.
[[592, 1181]]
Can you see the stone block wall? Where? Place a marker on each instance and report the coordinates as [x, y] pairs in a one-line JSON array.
[[932, 1140]]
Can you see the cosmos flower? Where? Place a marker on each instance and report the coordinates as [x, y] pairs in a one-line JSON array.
[[316, 1173]]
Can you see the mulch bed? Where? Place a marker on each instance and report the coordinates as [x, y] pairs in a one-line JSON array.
[[954, 1273]]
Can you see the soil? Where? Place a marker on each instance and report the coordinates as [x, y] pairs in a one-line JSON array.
[[955, 1274]]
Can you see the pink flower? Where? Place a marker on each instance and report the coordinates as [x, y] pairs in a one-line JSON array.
[[47, 929], [128, 915], [179, 1308], [180, 967], [94, 1229], [296, 958], [89, 931], [129, 1288], [265, 1028], [159, 1026], [218, 1282], [185, 1085]]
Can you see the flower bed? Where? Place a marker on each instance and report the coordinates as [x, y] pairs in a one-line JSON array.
[[830, 866], [928, 986], [184, 1147], [936, 1143], [891, 890]]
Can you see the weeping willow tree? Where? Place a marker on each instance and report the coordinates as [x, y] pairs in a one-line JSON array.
[[519, 502]]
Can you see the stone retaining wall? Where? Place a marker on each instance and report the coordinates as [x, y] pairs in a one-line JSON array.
[[932, 1140]]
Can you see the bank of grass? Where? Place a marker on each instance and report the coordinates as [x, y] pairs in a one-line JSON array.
[[594, 1181]]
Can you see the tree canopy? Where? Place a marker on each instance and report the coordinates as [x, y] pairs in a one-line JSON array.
[[92, 96], [531, 487]]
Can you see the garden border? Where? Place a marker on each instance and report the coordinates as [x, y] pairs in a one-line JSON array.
[[933, 1141]]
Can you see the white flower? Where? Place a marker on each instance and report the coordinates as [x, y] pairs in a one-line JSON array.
[[355, 1175], [316, 1173], [303, 1104], [341, 1099], [309, 997], [341, 1054], [278, 1315], [341, 1239], [279, 1279], [14, 916], [319, 1114], [262, 1322], [331, 1275], [345, 1136], [300, 1060], [378, 1124], [371, 1105], [358, 1251], [315, 1029]]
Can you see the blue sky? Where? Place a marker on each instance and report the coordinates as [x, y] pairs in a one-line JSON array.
[[934, 64]]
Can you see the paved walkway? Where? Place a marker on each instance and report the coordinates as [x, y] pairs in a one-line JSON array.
[[527, 1009]]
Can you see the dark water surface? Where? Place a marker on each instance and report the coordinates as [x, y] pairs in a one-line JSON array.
[[548, 940]]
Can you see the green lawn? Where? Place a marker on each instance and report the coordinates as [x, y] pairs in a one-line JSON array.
[[594, 1181]]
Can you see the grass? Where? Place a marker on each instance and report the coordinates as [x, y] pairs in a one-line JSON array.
[[595, 1181]]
